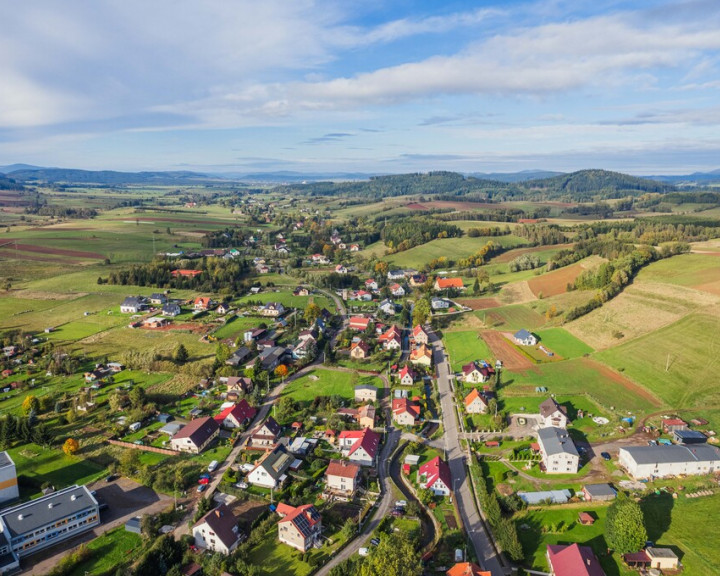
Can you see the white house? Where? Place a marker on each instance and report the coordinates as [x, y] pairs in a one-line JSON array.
[[439, 304], [435, 475], [273, 309], [270, 469], [218, 531], [662, 461], [558, 451], [341, 477], [525, 338], [196, 436], [552, 414], [365, 393], [397, 290], [475, 403], [360, 446]]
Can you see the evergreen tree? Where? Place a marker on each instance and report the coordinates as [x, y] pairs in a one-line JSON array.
[[181, 354]]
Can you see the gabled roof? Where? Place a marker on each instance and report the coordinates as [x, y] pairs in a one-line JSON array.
[[556, 441], [467, 569], [419, 329], [359, 321], [198, 431], [474, 394], [203, 300], [367, 439], [673, 422], [304, 518], [406, 370], [222, 522], [360, 344], [573, 560], [272, 425], [241, 411], [403, 405], [275, 462], [434, 470], [675, 453], [443, 283], [342, 469], [421, 351], [522, 334], [549, 406]]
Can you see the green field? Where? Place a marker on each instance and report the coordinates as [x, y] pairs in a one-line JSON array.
[[563, 343], [43, 465], [511, 318], [286, 298], [454, 248], [684, 270], [678, 363], [328, 383], [109, 550], [464, 347], [571, 377]]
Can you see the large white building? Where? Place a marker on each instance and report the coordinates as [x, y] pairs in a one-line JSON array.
[[558, 451], [218, 531], [27, 528], [661, 461], [8, 479]]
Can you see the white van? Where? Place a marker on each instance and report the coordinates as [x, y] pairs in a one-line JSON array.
[[212, 466]]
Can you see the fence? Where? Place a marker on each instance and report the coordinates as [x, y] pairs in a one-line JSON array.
[[142, 447]]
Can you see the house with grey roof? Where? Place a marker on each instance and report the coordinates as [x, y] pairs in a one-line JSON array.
[[525, 338], [270, 469], [133, 305], [674, 460], [558, 451], [599, 492]]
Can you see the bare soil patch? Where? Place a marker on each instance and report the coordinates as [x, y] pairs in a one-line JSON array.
[[416, 206], [555, 282], [502, 349], [56, 251], [622, 381], [481, 303]]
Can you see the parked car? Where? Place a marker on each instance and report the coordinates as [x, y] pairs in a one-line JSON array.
[[201, 488], [204, 481], [241, 485], [375, 541], [364, 551], [212, 466], [397, 512], [400, 503], [111, 477], [605, 456]]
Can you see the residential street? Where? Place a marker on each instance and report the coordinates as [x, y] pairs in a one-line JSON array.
[[475, 528]]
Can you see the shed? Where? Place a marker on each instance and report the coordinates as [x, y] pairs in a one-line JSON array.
[[586, 519], [689, 437], [171, 428], [165, 418], [599, 492], [133, 525], [662, 558], [412, 459]]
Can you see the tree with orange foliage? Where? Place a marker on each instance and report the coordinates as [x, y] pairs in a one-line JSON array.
[[281, 371], [71, 446]]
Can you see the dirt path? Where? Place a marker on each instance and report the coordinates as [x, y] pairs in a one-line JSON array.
[[623, 381], [503, 350]]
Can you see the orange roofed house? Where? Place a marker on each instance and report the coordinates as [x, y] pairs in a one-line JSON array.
[[445, 283], [467, 569]]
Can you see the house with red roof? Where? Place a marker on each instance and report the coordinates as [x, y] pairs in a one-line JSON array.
[[420, 335], [190, 273], [475, 402], [421, 355], [202, 303], [371, 284], [341, 477], [360, 446], [435, 475], [467, 569], [445, 283], [670, 425], [397, 290], [392, 338], [405, 412], [573, 560], [218, 531], [476, 373], [237, 415], [359, 323], [406, 376], [195, 436], [299, 527]]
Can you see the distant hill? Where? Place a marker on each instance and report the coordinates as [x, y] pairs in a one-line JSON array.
[[289, 177], [15, 167], [588, 183], [109, 177], [694, 179], [9, 184]]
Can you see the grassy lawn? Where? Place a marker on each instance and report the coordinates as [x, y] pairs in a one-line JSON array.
[[677, 363], [683, 270], [574, 377], [328, 383], [109, 550], [43, 465], [368, 364], [563, 343], [464, 347], [286, 298]]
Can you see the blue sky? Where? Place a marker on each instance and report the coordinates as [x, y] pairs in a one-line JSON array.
[[372, 86]]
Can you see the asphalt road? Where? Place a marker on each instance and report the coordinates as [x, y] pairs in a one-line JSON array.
[[383, 508], [474, 526]]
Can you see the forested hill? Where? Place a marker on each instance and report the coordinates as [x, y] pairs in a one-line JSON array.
[[598, 181], [109, 177], [9, 183], [582, 185]]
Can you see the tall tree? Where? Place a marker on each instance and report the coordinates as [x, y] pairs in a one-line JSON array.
[[394, 556], [625, 526], [181, 354], [421, 312]]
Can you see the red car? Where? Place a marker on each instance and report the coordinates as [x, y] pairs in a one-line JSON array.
[[204, 481]]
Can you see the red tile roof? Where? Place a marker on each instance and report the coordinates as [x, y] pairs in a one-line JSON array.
[[359, 323], [467, 569], [402, 405], [435, 470], [367, 439], [573, 560], [342, 469], [303, 517], [241, 411], [443, 283], [470, 398]]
